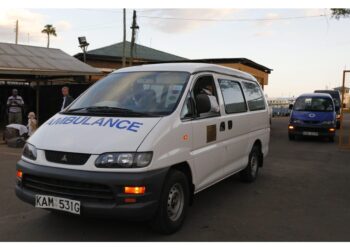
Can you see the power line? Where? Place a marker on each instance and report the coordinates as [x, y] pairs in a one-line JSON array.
[[233, 20]]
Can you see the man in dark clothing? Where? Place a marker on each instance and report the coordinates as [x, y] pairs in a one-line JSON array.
[[15, 104], [67, 99]]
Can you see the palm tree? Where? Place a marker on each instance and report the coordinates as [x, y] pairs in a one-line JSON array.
[[49, 30]]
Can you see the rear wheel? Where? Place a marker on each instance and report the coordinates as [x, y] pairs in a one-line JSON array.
[[291, 137], [331, 138], [173, 204], [250, 173]]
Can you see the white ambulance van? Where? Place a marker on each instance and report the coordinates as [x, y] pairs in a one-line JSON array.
[[139, 143]]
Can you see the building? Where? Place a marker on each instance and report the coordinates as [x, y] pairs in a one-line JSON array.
[[109, 58]]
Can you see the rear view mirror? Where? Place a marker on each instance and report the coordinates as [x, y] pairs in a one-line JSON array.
[[291, 106], [203, 103]]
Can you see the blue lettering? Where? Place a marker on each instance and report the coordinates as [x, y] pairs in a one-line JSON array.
[[79, 120], [69, 120], [50, 122], [85, 122], [134, 126], [59, 121], [111, 123], [99, 122], [123, 127]]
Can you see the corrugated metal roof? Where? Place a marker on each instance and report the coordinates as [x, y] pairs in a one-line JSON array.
[[140, 52], [31, 60]]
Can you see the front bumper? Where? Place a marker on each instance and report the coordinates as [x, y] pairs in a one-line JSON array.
[[299, 129], [100, 193]]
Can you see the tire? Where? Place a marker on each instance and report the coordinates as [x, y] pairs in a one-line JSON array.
[[250, 173], [173, 204], [331, 138], [291, 137]]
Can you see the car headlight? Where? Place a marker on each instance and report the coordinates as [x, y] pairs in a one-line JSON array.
[[124, 160], [338, 116], [29, 151], [328, 122]]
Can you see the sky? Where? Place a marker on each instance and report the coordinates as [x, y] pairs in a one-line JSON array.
[[306, 51]]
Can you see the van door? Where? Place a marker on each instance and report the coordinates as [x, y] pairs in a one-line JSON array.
[[236, 131], [208, 152]]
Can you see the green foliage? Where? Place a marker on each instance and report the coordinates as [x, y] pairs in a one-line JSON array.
[[339, 13]]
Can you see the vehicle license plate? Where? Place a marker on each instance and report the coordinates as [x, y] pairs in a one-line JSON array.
[[63, 204], [310, 133]]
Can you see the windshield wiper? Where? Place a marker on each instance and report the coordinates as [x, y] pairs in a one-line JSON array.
[[109, 110]]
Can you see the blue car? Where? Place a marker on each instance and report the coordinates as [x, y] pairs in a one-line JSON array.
[[313, 115]]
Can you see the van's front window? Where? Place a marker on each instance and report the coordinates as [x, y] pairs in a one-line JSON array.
[[316, 104], [133, 94]]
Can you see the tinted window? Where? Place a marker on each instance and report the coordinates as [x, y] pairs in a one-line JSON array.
[[319, 104], [253, 96], [233, 96]]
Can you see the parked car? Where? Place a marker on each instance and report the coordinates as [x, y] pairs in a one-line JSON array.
[[313, 115], [337, 102], [141, 142]]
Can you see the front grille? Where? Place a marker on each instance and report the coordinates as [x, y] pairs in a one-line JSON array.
[[311, 122], [66, 158], [319, 130], [68, 189]]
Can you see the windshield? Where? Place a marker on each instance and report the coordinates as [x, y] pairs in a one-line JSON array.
[[133, 94], [318, 104]]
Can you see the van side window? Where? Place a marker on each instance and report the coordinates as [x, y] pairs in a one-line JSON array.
[[253, 96], [233, 96], [205, 86]]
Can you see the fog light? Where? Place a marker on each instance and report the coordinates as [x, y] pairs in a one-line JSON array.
[[331, 129], [19, 174], [134, 190], [290, 127]]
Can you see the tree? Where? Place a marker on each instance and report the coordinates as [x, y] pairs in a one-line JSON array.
[[49, 30], [339, 13]]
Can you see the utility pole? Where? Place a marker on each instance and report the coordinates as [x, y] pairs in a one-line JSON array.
[[133, 27], [16, 30], [124, 37]]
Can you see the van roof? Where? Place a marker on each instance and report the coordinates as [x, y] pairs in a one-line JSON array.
[[189, 67], [316, 95]]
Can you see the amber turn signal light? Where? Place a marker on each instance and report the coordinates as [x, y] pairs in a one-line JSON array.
[[19, 174], [134, 190]]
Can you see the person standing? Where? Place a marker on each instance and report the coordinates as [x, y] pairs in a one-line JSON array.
[[67, 99], [15, 105]]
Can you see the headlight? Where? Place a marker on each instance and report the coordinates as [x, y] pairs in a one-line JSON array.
[[29, 151], [124, 160], [338, 116], [328, 122]]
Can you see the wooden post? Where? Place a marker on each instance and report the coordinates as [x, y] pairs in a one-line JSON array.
[[134, 27], [37, 100], [124, 37]]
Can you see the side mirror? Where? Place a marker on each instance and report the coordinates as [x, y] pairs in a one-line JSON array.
[[291, 106], [203, 103]]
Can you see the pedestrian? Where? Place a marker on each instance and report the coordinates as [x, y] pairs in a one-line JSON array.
[[15, 105], [67, 99], [32, 123]]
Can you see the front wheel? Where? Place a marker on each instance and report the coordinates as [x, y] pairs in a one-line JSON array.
[[173, 204], [250, 173]]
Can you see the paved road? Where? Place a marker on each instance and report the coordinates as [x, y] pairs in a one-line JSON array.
[[302, 194]]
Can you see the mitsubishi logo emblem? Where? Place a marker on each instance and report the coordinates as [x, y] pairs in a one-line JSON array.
[[64, 158], [312, 115]]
